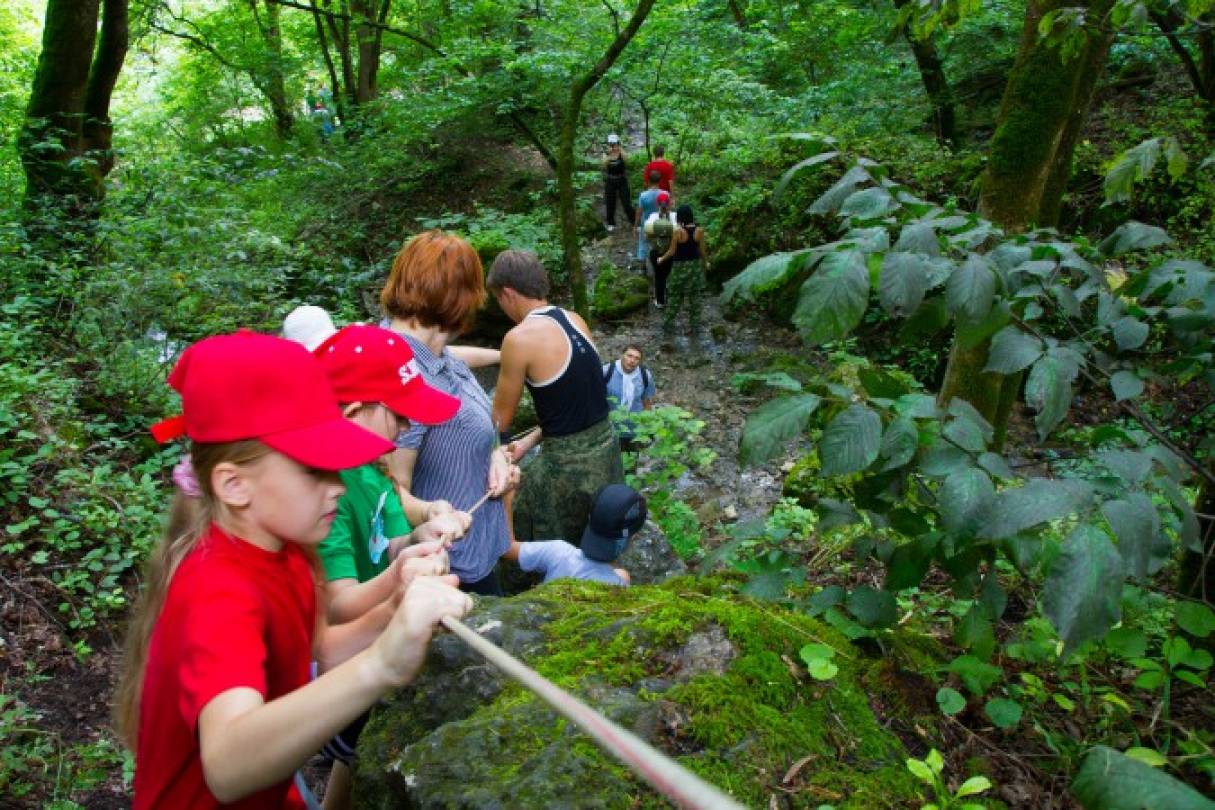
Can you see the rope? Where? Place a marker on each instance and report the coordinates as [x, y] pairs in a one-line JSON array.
[[684, 788]]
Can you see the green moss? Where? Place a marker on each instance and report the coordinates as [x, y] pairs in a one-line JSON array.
[[617, 294]]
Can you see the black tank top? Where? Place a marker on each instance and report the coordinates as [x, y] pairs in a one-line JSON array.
[[689, 250], [577, 397]]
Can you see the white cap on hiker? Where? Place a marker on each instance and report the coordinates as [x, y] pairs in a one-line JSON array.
[[308, 325], [613, 138]]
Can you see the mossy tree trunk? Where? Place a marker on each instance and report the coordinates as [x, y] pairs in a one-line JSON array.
[[273, 83], [1029, 163], [571, 259], [66, 142]]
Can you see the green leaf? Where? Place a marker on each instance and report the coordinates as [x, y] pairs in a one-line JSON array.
[[1109, 780], [822, 670], [766, 273], [971, 289], [1147, 756], [828, 597], [935, 761], [1125, 385], [1129, 333], [909, 562], [973, 786], [851, 442], [1040, 500], [834, 196], [871, 607], [833, 300], [903, 282], [1126, 642], [1195, 618], [919, 237], [1132, 236], [1135, 523], [797, 167], [1012, 350], [747, 381], [1130, 465], [978, 676], [1081, 596], [882, 384], [964, 499], [972, 333], [995, 465], [1129, 168], [868, 203], [950, 700], [1049, 392], [770, 428], [899, 443], [975, 632], [920, 770], [965, 434], [1003, 712], [814, 651]]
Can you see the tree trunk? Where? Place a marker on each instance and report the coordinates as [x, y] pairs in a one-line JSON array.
[[1201, 73], [1196, 576], [936, 86], [571, 259], [273, 83], [1045, 104], [66, 140]]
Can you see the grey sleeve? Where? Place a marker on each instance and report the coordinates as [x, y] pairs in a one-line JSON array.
[[541, 555]]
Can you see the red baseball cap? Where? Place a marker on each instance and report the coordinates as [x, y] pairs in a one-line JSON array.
[[373, 364], [252, 386], [663, 198]]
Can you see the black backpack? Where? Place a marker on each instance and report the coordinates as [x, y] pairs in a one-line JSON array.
[[611, 369]]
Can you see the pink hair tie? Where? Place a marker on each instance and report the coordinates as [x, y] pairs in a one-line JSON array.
[[183, 477]]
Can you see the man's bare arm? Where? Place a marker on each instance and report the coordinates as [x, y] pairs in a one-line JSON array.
[[512, 371]]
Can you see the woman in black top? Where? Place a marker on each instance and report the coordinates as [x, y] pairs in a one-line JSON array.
[[690, 258], [616, 184]]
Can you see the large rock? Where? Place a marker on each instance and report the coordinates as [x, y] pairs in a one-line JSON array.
[[649, 559], [707, 676], [618, 293]]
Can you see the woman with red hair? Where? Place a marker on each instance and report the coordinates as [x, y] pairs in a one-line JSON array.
[[431, 297]]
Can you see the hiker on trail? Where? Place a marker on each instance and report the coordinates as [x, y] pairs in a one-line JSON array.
[[432, 296], [660, 229], [647, 206], [690, 258], [551, 352], [371, 549], [616, 183], [664, 167], [630, 386], [617, 513], [216, 698]]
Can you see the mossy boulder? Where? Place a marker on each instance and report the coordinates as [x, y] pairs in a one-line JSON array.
[[618, 293], [709, 677]]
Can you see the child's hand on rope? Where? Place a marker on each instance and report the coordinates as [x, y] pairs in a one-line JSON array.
[[400, 650]]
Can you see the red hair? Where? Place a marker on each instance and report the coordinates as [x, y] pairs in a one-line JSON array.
[[436, 279]]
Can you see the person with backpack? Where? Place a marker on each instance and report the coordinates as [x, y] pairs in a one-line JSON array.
[[647, 206], [689, 252], [630, 386], [659, 228]]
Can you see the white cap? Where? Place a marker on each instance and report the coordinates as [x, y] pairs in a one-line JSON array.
[[308, 325], [613, 138]]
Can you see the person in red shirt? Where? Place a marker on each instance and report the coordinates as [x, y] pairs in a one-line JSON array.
[[664, 167], [215, 698]]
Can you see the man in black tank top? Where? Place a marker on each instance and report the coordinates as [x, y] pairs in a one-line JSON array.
[[550, 351]]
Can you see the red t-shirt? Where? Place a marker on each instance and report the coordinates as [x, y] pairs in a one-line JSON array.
[[664, 167], [235, 616]]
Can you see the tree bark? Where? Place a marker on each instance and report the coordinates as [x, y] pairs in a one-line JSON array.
[[571, 259], [274, 83], [1043, 110], [936, 85], [1196, 575], [67, 138], [1200, 72]]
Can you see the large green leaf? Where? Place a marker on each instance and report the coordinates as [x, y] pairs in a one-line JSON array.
[[903, 282], [1133, 236], [919, 237], [1049, 391], [868, 203], [1126, 385], [766, 273], [899, 443], [833, 300], [788, 176], [1012, 350], [871, 607], [971, 289], [1040, 500], [964, 498], [1083, 590], [1136, 524], [773, 425], [1129, 333], [1109, 780], [833, 197], [851, 442]]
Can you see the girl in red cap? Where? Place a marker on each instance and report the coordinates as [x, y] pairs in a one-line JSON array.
[[216, 699]]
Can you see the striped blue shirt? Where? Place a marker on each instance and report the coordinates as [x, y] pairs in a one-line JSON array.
[[453, 462]]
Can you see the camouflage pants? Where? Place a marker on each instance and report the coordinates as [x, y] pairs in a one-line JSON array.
[[558, 484], [685, 286]]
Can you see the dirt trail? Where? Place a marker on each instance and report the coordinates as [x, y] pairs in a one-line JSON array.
[[699, 381]]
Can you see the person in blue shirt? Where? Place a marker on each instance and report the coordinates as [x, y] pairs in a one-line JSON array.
[[617, 513], [630, 387]]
